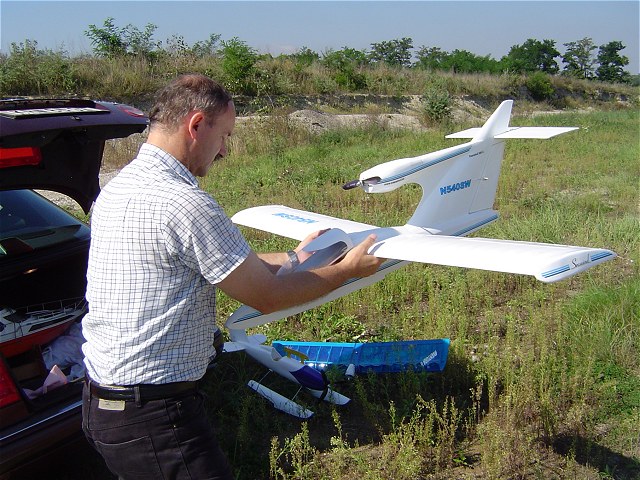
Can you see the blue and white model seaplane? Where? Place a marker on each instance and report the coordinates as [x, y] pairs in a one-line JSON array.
[[459, 187]]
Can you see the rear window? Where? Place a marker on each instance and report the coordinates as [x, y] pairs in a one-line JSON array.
[[30, 222]]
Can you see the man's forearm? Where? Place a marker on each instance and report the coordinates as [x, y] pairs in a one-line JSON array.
[[273, 260], [255, 283]]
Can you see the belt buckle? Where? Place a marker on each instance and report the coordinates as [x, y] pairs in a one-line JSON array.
[[111, 405]]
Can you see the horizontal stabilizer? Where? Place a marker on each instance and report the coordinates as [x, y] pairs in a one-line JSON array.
[[293, 223], [233, 347], [534, 132], [518, 132], [547, 262], [257, 339], [469, 133], [280, 402]]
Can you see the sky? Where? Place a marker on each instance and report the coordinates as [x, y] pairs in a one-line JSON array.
[[481, 27]]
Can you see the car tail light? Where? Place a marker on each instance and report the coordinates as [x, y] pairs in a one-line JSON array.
[[17, 157], [8, 390], [133, 111]]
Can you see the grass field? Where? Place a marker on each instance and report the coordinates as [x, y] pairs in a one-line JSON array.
[[543, 381]]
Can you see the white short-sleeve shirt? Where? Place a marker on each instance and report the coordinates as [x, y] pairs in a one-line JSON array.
[[159, 244]]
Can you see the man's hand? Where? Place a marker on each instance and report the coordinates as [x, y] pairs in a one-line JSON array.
[[359, 262], [302, 255], [254, 284]]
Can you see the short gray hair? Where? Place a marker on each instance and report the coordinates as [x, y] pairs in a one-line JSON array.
[[185, 94]]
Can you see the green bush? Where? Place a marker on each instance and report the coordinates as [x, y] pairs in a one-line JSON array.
[[239, 66], [30, 71], [540, 87], [436, 103]]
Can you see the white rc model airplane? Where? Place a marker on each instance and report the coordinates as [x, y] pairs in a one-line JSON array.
[[459, 187]]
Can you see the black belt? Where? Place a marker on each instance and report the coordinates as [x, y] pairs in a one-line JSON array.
[[142, 392]]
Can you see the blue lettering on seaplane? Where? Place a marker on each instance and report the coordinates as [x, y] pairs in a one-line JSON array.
[[295, 218], [455, 187]]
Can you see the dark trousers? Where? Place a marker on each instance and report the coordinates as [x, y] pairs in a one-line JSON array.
[[161, 439]]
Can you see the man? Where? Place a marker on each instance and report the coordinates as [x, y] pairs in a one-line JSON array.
[[160, 247]]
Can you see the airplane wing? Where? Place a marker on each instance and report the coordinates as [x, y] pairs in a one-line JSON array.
[[547, 262], [246, 317], [293, 223]]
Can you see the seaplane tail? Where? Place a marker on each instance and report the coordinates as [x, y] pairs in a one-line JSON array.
[[459, 184]]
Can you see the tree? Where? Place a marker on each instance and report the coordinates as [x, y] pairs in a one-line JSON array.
[[579, 58], [28, 70], [458, 61], [532, 56], [345, 64], [238, 64], [612, 63], [206, 48], [338, 59], [395, 53], [463, 61], [141, 43], [430, 58], [540, 86], [176, 46], [107, 41], [113, 41], [305, 56]]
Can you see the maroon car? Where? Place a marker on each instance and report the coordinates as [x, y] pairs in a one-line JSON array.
[[52, 145]]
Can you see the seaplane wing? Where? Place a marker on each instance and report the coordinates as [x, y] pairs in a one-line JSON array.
[[293, 223], [547, 262]]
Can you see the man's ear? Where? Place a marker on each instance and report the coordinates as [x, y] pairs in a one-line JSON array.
[[193, 122]]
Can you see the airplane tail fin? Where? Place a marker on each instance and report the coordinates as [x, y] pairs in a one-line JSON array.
[[459, 184], [497, 123]]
